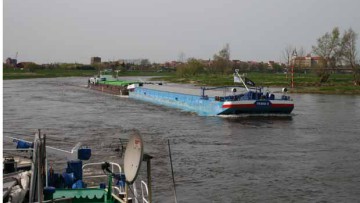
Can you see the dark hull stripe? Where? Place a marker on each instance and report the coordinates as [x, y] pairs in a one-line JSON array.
[[239, 106], [270, 110], [254, 106]]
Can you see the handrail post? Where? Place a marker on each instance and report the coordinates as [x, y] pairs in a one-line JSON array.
[[148, 158], [149, 179], [126, 192], [46, 163], [109, 192]]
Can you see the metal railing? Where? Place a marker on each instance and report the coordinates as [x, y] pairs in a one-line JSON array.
[[146, 194], [115, 168]]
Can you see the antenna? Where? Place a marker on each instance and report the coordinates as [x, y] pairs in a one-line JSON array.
[[172, 172], [133, 157]]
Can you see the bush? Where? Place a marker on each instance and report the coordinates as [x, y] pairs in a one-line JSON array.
[[32, 66], [85, 67], [192, 68]]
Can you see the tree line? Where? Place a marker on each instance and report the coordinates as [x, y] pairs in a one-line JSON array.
[[336, 51], [221, 64]]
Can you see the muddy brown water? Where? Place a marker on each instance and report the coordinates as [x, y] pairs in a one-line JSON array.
[[311, 156]]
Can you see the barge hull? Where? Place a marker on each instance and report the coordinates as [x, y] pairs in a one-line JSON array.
[[209, 106], [258, 107], [111, 89], [186, 102]]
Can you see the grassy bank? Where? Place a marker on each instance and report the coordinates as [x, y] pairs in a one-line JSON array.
[[147, 73], [304, 83], [59, 72]]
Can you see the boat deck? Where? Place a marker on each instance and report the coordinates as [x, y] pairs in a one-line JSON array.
[[192, 90]]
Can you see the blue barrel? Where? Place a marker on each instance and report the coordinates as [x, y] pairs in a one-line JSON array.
[[120, 180], [84, 153], [76, 168], [102, 185], [69, 179], [48, 193], [23, 145]]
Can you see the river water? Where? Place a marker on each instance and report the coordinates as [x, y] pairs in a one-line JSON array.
[[311, 156]]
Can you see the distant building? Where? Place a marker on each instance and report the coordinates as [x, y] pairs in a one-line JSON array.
[[271, 64], [307, 61], [236, 61], [95, 60], [172, 64], [135, 61], [253, 63], [11, 62]]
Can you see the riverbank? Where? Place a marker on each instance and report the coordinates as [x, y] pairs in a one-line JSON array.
[[10, 74], [304, 83]]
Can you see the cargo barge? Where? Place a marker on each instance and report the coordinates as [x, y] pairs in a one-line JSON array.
[[109, 84], [213, 101]]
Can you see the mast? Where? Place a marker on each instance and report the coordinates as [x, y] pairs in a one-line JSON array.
[[236, 74]]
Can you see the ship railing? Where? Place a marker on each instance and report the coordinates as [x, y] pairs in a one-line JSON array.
[[115, 168], [144, 192]]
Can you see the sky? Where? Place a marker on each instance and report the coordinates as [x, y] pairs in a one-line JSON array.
[[69, 31]]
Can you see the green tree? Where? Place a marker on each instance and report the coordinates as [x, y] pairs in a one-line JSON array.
[[349, 53], [145, 62], [191, 68], [277, 68], [329, 48], [7, 66], [32, 67], [221, 63]]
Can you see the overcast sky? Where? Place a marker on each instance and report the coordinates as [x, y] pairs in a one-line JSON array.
[[45, 31]]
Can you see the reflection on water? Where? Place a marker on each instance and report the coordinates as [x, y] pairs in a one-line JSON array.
[[310, 156]]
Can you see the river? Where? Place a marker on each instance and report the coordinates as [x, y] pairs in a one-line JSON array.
[[311, 156]]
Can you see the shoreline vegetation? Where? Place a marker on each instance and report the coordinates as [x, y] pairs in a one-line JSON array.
[[13, 74], [335, 69], [304, 83]]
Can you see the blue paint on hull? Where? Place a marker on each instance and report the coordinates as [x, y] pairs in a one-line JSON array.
[[203, 107], [193, 103]]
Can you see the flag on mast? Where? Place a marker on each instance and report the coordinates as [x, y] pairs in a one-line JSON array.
[[236, 79], [249, 82]]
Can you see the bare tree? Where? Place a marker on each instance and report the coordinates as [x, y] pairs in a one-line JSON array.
[[301, 52], [349, 53], [221, 62], [145, 62], [225, 52], [182, 57], [328, 47], [287, 53]]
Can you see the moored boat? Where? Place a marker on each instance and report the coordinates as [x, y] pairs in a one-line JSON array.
[[80, 181]]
